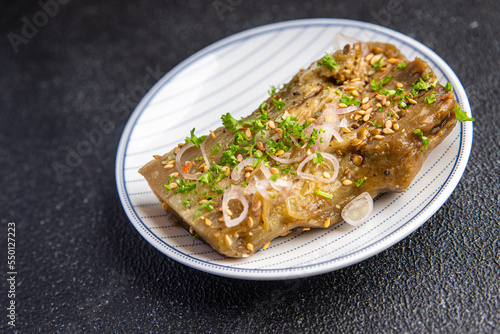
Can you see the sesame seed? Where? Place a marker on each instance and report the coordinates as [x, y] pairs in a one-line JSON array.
[[396, 126], [239, 158], [378, 137], [221, 219], [250, 247], [250, 222], [357, 117], [377, 147], [355, 79], [369, 110], [412, 101], [256, 206], [228, 171], [361, 112], [176, 150], [309, 152], [327, 223], [387, 131], [212, 134], [228, 240], [379, 97], [369, 57], [260, 146], [247, 175], [180, 144], [365, 106], [286, 233], [202, 165], [342, 105], [280, 152], [387, 103], [156, 156], [366, 117], [392, 60], [229, 212], [202, 201], [388, 124], [378, 105], [326, 175], [350, 88], [365, 100], [311, 120], [164, 206], [208, 222], [266, 245], [346, 182], [346, 130], [274, 170], [248, 169], [175, 174], [248, 133], [168, 166], [384, 100], [271, 124], [173, 185], [205, 169], [356, 142], [306, 228], [339, 152], [399, 85]]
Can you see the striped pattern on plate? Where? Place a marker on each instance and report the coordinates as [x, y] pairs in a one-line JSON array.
[[233, 75]]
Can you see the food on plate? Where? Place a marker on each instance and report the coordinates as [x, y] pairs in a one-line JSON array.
[[355, 124]]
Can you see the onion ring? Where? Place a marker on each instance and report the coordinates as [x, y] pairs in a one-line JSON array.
[[229, 195], [327, 156], [178, 166]]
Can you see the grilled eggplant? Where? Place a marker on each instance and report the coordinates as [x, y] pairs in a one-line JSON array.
[[361, 120]]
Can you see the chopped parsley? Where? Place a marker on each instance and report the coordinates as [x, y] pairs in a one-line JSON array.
[[195, 236], [167, 186], [185, 186], [230, 123], [379, 64], [403, 105], [216, 148], [208, 205], [384, 81], [425, 140], [323, 194], [431, 98], [448, 86], [185, 203], [376, 124], [426, 76], [419, 86], [349, 100], [360, 182], [206, 178], [272, 91], [195, 140], [274, 177], [401, 66], [217, 190], [318, 159], [328, 61], [462, 115]]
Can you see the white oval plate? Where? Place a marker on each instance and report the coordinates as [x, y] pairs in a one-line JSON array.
[[233, 75]]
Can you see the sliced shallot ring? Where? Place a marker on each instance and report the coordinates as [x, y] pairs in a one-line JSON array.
[[229, 195], [301, 155], [178, 166], [327, 156], [358, 210]]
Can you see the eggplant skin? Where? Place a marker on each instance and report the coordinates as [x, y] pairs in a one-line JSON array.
[[378, 145]]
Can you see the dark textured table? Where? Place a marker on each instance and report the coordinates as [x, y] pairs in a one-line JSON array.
[[82, 267]]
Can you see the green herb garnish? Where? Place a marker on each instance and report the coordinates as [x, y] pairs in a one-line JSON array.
[[431, 98], [425, 140], [323, 194], [448, 86], [185, 203], [360, 182], [401, 66], [318, 159], [349, 100], [195, 140], [462, 115]]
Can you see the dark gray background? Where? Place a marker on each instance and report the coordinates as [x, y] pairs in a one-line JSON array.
[[82, 267]]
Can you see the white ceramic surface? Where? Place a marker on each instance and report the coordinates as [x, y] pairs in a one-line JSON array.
[[233, 75]]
